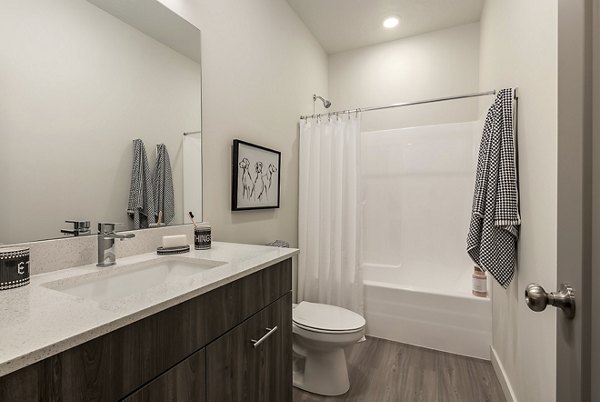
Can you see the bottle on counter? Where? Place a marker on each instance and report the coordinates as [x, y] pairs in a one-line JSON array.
[[479, 282]]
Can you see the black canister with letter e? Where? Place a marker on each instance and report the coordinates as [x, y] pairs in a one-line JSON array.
[[14, 267]]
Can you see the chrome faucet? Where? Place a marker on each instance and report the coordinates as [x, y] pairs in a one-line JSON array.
[[106, 243]]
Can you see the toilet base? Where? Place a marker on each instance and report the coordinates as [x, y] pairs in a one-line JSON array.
[[325, 373]]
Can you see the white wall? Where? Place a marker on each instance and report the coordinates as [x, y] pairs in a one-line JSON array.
[[519, 48], [78, 85], [435, 64], [260, 68]]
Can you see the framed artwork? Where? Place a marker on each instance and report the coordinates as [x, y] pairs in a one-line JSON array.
[[256, 174]]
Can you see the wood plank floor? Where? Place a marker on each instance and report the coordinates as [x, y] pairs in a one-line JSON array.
[[385, 371]]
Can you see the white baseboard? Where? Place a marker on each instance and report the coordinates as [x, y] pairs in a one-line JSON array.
[[507, 388]]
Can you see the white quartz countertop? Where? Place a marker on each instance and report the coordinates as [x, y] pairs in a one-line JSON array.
[[37, 321]]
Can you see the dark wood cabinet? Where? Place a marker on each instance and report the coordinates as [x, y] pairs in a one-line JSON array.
[[170, 354], [183, 383], [252, 362]]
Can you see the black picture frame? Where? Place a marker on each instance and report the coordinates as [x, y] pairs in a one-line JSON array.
[[255, 178]]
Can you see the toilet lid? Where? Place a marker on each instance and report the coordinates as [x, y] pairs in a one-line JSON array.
[[326, 317]]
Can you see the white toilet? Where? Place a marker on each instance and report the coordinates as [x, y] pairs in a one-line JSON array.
[[320, 333]]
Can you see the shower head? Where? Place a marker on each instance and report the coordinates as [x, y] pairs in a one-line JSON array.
[[326, 103]]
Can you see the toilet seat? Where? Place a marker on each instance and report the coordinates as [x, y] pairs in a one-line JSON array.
[[324, 331], [328, 319], [340, 339]]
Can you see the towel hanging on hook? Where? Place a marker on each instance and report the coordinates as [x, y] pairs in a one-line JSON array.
[[495, 218]]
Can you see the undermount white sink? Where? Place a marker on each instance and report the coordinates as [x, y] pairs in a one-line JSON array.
[[121, 281]]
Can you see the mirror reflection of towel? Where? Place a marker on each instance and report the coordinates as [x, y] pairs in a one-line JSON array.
[[162, 182], [141, 200]]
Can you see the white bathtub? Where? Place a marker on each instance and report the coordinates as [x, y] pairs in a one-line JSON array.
[[429, 306]]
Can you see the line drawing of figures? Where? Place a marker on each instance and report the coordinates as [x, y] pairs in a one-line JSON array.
[[258, 167], [246, 177], [272, 169], [264, 178]]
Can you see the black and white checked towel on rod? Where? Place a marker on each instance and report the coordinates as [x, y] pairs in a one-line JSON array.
[[495, 219]]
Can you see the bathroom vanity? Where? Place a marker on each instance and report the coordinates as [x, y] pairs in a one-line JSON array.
[[220, 334]]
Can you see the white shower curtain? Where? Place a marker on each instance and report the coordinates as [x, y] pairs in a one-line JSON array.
[[329, 212]]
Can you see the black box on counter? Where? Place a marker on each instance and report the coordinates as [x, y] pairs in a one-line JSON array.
[[14, 267]]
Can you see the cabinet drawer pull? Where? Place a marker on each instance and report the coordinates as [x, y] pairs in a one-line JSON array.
[[261, 340]]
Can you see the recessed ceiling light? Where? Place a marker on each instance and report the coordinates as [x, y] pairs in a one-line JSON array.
[[390, 22]]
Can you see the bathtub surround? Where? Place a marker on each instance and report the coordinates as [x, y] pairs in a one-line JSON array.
[[406, 173], [329, 229]]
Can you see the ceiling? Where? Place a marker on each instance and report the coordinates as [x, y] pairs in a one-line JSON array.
[[341, 25]]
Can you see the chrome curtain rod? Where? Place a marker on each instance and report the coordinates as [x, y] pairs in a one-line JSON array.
[[420, 102]]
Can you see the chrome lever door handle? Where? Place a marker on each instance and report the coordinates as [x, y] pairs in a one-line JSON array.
[[537, 299], [261, 340]]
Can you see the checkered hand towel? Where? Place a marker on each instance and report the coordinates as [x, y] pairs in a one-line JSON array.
[[164, 197], [495, 220], [141, 199]]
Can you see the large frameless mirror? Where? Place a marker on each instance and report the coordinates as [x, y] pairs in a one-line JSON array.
[[81, 80]]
